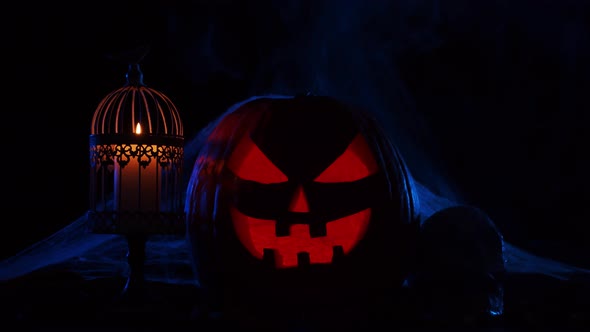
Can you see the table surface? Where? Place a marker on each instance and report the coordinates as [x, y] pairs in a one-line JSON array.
[[52, 300]]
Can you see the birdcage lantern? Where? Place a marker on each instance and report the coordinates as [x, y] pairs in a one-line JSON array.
[[136, 154]]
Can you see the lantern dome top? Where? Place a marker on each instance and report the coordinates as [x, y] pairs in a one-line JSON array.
[[136, 108]]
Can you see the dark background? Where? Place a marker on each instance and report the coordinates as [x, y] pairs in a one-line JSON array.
[[494, 93]]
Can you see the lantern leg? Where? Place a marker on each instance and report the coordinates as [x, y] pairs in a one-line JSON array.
[[135, 285]]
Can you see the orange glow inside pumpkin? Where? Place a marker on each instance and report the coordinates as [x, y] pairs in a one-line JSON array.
[[248, 162], [299, 201], [258, 234], [354, 164]]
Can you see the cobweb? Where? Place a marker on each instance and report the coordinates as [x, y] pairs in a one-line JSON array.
[[92, 256], [516, 260]]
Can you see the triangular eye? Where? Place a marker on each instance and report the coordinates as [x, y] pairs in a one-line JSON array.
[[249, 163], [357, 162]]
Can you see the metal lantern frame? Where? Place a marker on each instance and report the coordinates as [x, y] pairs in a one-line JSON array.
[[136, 157], [137, 134]]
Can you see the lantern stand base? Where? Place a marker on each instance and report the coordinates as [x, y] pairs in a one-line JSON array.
[[135, 287]]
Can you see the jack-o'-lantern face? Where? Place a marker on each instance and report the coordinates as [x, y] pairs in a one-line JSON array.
[[304, 186], [294, 201]]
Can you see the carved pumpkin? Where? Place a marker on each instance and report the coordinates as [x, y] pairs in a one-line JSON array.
[[299, 195]]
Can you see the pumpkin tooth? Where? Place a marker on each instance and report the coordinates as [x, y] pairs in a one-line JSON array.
[[337, 253], [282, 229], [318, 229], [268, 257], [303, 259]]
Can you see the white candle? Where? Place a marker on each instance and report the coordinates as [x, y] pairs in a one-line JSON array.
[[137, 187]]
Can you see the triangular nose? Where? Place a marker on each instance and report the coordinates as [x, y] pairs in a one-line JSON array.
[[299, 201]]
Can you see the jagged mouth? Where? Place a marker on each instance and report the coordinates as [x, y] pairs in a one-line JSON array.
[[299, 245]]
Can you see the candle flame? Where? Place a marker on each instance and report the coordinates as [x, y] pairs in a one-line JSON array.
[[138, 129]]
